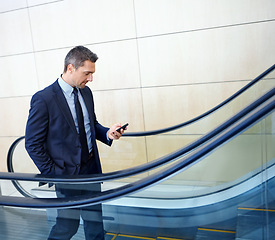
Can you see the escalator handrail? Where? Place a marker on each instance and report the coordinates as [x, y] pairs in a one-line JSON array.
[[141, 168], [16, 184], [157, 177], [168, 129]]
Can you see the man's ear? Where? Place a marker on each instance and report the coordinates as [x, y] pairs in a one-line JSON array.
[[70, 68]]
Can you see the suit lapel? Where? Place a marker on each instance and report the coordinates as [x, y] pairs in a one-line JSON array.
[[63, 105]]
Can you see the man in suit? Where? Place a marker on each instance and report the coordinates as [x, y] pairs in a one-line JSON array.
[[61, 135]]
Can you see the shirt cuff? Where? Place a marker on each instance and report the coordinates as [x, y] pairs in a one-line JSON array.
[[107, 136]]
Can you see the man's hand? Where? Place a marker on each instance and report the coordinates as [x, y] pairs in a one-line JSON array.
[[113, 134]]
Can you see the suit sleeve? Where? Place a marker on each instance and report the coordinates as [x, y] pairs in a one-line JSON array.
[[36, 135], [101, 133]]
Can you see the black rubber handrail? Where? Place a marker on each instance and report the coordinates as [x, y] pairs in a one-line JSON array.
[[175, 168], [159, 131], [16, 184], [141, 168]]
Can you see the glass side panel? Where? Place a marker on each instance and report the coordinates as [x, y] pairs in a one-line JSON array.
[[229, 194], [239, 159], [133, 151], [173, 140]]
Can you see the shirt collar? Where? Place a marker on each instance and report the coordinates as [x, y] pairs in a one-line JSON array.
[[66, 88]]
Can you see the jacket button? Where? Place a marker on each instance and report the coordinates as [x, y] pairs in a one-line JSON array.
[[77, 165]]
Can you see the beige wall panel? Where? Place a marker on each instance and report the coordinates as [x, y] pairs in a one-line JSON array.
[[69, 23], [18, 75], [152, 82], [232, 53], [15, 33], [22, 161], [49, 65], [120, 106], [165, 16], [117, 66], [167, 106], [5, 143], [39, 2], [12, 5], [14, 116]]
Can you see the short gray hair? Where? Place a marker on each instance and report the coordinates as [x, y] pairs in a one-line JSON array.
[[77, 56]]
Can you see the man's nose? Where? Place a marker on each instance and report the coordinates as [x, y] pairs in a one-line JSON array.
[[90, 77]]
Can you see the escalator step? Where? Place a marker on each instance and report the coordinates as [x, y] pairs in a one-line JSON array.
[[214, 234], [113, 236], [255, 223]]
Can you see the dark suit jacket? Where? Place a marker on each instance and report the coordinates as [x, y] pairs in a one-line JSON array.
[[51, 137]]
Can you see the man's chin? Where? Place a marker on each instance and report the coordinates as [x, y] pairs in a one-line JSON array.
[[82, 85]]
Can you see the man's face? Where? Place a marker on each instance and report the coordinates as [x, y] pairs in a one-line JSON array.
[[83, 74]]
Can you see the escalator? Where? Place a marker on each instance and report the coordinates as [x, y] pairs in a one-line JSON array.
[[219, 185]]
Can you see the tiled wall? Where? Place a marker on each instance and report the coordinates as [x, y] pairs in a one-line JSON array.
[[161, 62]]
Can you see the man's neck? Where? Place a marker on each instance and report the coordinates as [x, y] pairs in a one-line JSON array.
[[65, 77]]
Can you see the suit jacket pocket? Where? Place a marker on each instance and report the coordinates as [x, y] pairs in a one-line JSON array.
[[59, 167]]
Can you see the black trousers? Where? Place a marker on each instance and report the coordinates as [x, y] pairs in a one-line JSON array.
[[67, 221]]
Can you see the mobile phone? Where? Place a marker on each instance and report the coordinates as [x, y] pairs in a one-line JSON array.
[[122, 127]]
